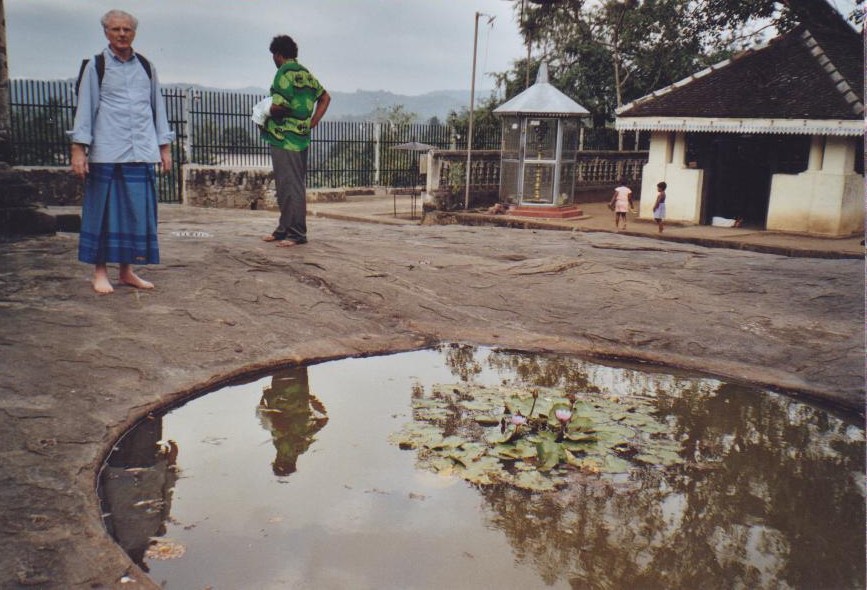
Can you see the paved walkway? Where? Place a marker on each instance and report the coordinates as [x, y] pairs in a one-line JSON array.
[[385, 209]]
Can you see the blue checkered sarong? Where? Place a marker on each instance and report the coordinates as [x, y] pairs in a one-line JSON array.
[[119, 215]]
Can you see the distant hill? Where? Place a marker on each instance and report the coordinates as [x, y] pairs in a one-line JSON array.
[[361, 104]]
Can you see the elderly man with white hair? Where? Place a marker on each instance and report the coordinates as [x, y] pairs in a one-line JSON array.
[[121, 131]]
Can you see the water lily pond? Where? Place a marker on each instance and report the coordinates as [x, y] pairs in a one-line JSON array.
[[468, 467]]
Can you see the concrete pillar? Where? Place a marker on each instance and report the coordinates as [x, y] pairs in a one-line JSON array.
[[839, 155], [817, 153]]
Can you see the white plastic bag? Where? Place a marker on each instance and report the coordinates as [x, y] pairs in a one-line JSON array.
[[261, 111]]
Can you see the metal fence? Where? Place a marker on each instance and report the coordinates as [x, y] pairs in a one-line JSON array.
[[341, 153], [214, 128], [42, 113]]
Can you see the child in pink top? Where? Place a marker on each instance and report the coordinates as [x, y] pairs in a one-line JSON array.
[[621, 203]]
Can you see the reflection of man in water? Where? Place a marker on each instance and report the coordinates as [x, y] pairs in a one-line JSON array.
[[137, 486], [292, 415]]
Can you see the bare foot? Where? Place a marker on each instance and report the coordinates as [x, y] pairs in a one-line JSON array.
[[288, 244], [271, 238], [133, 280], [102, 285]]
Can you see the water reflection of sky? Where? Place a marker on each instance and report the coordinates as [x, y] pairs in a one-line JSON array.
[[772, 495]]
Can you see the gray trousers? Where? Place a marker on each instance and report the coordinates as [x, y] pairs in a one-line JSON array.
[[290, 175]]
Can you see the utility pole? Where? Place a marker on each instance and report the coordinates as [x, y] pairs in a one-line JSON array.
[[528, 42], [472, 108]]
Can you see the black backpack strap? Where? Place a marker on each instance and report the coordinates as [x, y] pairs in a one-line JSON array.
[[145, 64], [80, 75], [99, 62]]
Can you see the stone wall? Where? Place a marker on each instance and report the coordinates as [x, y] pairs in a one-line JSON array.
[[52, 185], [246, 188], [226, 188], [237, 188], [229, 188]]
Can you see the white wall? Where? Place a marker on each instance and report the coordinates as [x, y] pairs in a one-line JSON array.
[[666, 162], [825, 200]]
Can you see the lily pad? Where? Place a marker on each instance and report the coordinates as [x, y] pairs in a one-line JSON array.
[[519, 450], [584, 464], [487, 420], [485, 471], [579, 437], [581, 423], [549, 454], [612, 464], [475, 405], [417, 434], [660, 457], [602, 435], [533, 481], [451, 442]]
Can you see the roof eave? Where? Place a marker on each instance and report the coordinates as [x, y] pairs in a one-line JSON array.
[[560, 114], [839, 127]]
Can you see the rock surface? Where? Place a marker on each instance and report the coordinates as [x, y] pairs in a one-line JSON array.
[[78, 369]]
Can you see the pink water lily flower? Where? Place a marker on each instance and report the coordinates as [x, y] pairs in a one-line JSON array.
[[518, 419], [563, 415]]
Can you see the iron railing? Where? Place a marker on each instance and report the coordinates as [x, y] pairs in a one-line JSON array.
[[43, 112], [214, 128], [341, 153]]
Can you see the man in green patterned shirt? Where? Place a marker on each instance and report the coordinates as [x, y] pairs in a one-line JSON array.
[[298, 103]]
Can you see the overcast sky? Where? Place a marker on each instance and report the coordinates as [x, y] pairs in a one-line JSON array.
[[402, 46]]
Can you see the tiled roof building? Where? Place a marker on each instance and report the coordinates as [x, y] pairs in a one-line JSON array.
[[802, 75], [772, 136]]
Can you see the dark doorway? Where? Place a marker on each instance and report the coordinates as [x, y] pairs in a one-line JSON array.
[[739, 179], [738, 170]]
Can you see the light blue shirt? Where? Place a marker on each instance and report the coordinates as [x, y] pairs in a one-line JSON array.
[[117, 120]]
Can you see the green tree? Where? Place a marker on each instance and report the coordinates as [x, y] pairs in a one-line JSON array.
[[606, 53], [486, 125]]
